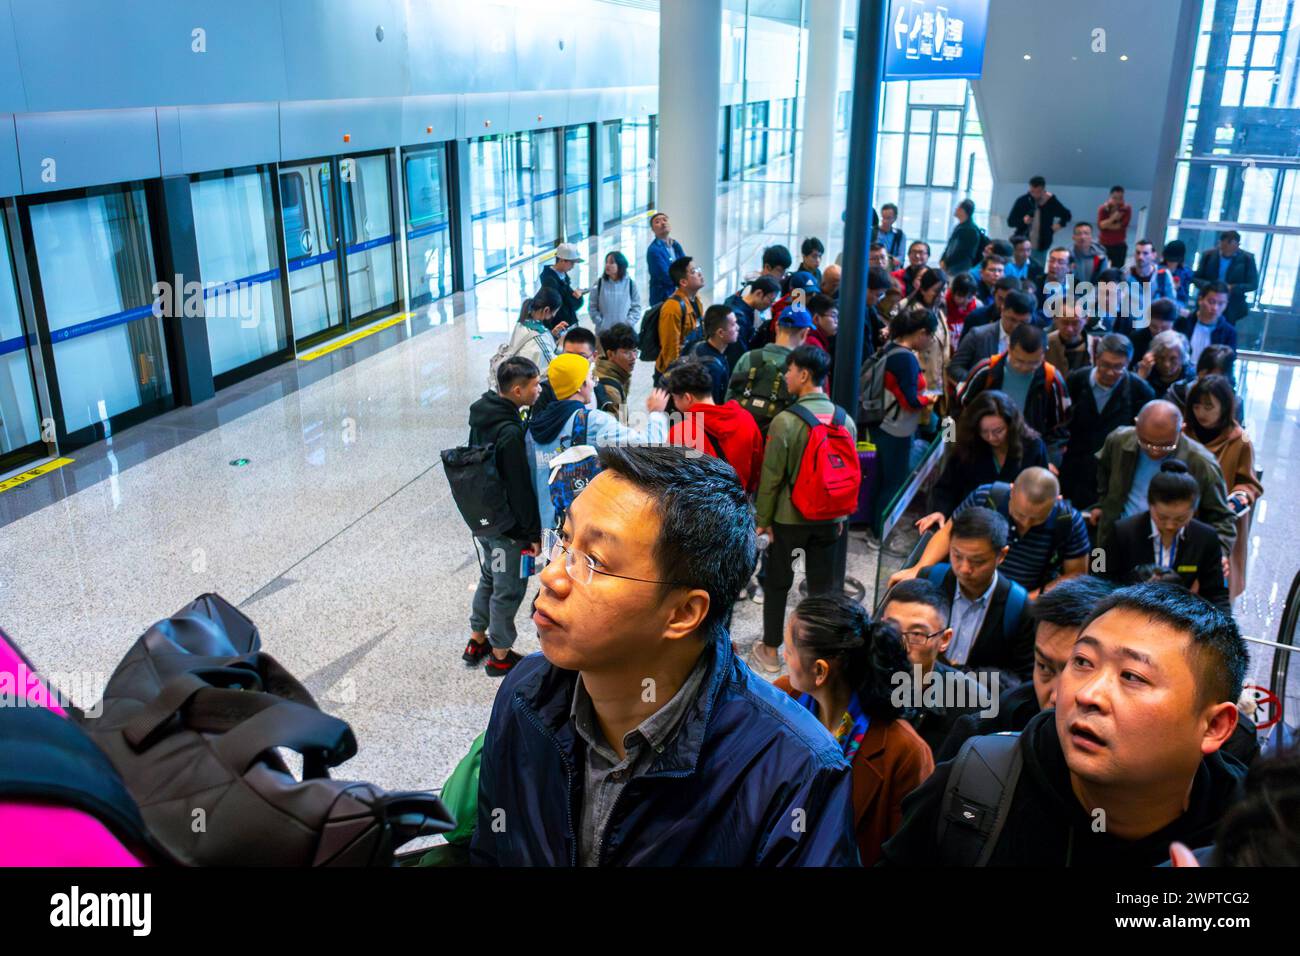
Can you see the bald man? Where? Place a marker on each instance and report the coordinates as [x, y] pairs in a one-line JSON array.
[[1132, 455], [1048, 538], [831, 281]]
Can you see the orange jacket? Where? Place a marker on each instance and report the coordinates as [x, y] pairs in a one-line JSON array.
[[891, 762]]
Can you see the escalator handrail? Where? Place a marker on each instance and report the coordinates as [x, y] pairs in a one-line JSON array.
[[1286, 636]]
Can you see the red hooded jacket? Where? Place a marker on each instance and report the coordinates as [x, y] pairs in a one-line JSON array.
[[735, 432]]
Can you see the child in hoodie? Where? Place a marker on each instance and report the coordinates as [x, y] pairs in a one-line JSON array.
[[550, 431]]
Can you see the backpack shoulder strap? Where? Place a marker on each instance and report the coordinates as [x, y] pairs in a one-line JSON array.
[[805, 416], [977, 799], [998, 495], [579, 436], [837, 419], [1017, 597], [935, 573]]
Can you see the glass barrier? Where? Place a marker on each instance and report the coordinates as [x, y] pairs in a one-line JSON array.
[[900, 542]]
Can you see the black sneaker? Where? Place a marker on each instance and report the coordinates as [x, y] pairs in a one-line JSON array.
[[475, 652], [497, 667]]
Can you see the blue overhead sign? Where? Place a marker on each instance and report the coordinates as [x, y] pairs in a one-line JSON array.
[[936, 39]]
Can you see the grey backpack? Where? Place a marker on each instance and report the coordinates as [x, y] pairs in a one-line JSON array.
[[978, 797]]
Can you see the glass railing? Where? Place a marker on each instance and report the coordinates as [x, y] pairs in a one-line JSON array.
[[1285, 682], [900, 543]]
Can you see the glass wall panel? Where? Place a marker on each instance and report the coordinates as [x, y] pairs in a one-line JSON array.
[[96, 274], [611, 173], [234, 226], [577, 182], [1240, 156], [428, 219], [487, 172], [368, 234], [638, 164], [19, 419]]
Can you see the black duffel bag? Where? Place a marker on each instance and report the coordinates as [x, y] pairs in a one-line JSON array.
[[191, 720]]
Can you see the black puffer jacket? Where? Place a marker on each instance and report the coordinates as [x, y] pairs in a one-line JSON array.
[[495, 420], [1047, 826]]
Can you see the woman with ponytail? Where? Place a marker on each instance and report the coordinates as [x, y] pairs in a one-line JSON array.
[[842, 668]]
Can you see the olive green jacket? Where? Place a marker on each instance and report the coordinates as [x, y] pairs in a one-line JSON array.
[[786, 439], [1118, 462]]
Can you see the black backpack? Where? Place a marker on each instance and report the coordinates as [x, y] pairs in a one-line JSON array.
[[478, 490], [192, 719], [763, 392], [648, 340], [977, 799]]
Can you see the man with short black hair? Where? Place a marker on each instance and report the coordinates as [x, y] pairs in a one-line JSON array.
[[720, 331], [991, 269], [1036, 387], [1103, 397], [986, 341], [1235, 268], [920, 611], [1068, 348], [614, 370], [1127, 762], [1057, 614], [990, 311], [495, 420], [680, 313], [1087, 258], [990, 630], [1022, 265], [750, 305], [580, 341], [1208, 326], [964, 241], [1113, 217], [776, 514], [888, 235], [662, 252], [776, 262], [722, 429], [582, 766], [1038, 214], [812, 251]]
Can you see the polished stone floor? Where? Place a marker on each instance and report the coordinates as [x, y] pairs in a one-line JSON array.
[[339, 537]]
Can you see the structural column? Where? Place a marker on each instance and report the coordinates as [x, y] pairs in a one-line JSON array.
[[690, 96], [825, 33]]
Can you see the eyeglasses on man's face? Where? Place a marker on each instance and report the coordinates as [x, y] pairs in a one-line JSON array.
[[581, 567], [918, 636], [1157, 449]]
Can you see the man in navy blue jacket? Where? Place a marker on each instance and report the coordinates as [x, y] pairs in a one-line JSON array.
[[1208, 325], [637, 737], [662, 252]]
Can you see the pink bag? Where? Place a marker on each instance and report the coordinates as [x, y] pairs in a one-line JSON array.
[[61, 801]]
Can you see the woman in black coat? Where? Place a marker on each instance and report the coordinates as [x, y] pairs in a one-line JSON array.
[[993, 443]]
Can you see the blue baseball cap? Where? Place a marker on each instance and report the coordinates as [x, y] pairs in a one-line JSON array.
[[804, 280], [793, 318]]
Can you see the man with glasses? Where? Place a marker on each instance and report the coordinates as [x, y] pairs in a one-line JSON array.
[[1103, 398], [920, 611], [636, 737], [1131, 457], [989, 628]]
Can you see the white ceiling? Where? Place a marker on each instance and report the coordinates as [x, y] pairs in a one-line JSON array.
[[1068, 113]]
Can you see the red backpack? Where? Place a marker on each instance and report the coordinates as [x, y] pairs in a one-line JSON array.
[[826, 487]]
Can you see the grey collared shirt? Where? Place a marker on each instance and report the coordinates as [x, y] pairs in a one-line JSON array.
[[967, 619], [604, 775]]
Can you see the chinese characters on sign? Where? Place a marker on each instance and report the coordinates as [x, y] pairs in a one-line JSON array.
[[931, 39]]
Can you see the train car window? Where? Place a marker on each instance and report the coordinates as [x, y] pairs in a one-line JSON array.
[[292, 191], [327, 207]]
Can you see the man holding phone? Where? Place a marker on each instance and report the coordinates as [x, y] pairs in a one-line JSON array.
[[556, 276]]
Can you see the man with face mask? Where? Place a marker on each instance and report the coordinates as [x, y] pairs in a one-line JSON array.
[[1128, 761], [1058, 614]]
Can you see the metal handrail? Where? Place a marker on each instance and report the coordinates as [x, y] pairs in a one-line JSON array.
[[1285, 638]]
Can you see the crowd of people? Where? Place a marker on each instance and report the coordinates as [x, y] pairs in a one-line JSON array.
[[1086, 539]]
